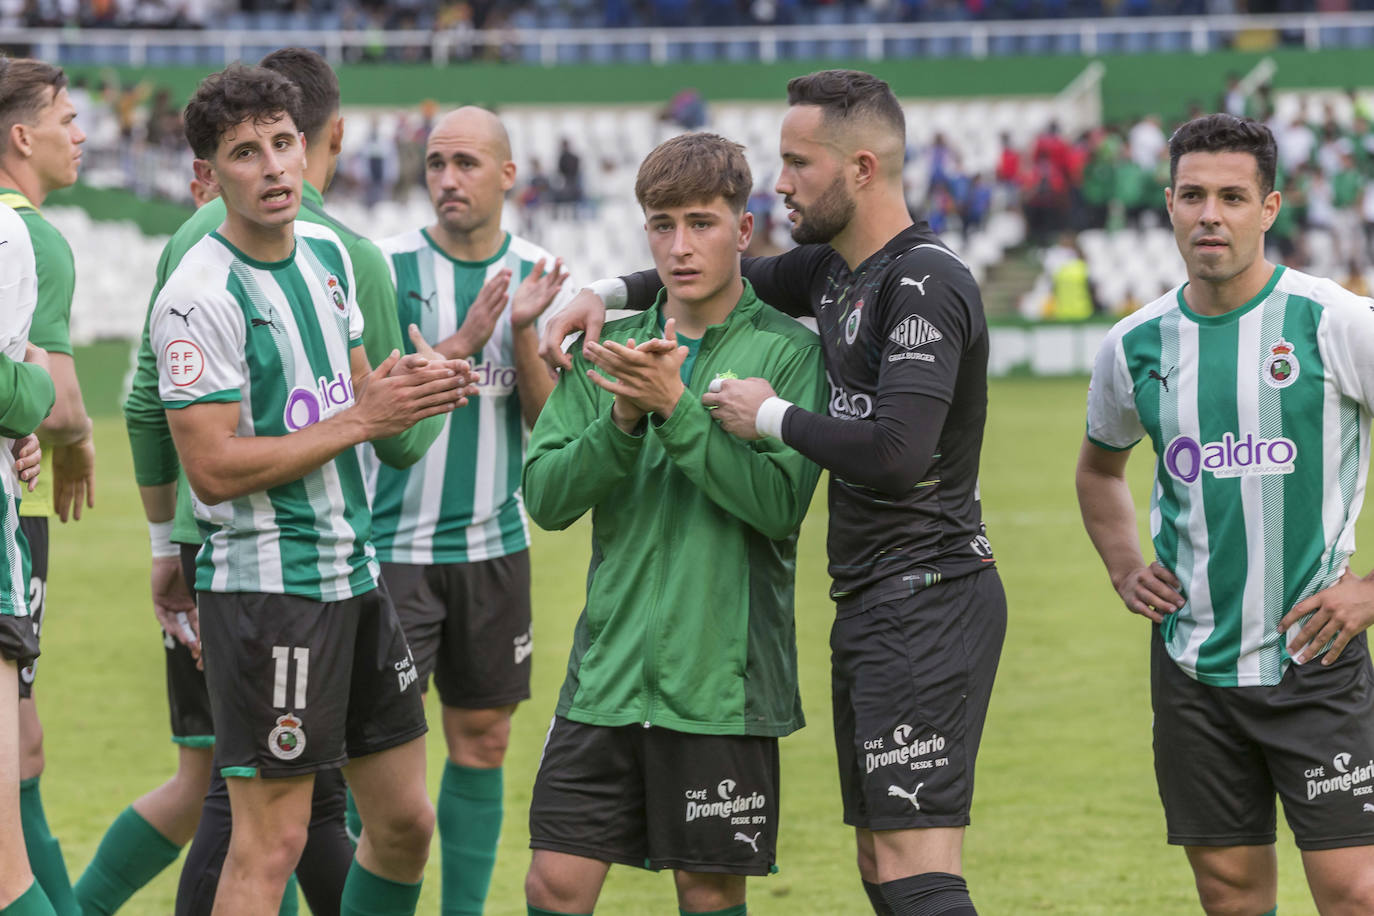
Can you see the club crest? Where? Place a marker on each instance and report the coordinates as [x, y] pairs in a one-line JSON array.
[[1281, 366]]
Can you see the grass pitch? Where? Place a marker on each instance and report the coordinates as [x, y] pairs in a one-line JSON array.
[[1066, 821]]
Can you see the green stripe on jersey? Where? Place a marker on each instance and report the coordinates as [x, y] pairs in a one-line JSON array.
[[461, 501]]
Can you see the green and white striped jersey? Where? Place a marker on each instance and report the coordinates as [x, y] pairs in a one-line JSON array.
[[461, 502], [1260, 424], [276, 338], [18, 299]]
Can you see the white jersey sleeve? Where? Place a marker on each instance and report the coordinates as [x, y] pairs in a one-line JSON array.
[[18, 283], [1346, 339], [197, 331], [1113, 422]]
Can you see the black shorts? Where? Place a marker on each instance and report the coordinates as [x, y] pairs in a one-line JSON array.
[[188, 699], [468, 624], [35, 530], [298, 686], [1223, 753], [911, 678], [657, 798]]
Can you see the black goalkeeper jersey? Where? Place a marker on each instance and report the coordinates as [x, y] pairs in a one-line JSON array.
[[906, 351]]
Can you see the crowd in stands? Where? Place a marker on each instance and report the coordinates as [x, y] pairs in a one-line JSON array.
[[1109, 177], [464, 15]]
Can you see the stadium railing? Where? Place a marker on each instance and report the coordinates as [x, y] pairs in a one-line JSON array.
[[550, 47]]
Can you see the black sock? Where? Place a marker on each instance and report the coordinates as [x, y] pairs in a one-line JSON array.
[[930, 894], [328, 854], [205, 858], [875, 897]]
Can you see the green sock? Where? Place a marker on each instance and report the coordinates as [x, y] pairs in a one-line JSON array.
[[366, 894], [1273, 912], [532, 910], [290, 900], [45, 853], [33, 902], [131, 854], [740, 910], [353, 822], [469, 815]]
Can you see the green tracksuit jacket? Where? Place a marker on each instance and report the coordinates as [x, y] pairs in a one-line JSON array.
[[688, 622]]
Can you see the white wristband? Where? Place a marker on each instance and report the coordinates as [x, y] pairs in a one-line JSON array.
[[768, 421], [160, 538], [612, 291]]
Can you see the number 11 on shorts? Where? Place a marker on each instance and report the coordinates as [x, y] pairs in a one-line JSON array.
[[282, 656]]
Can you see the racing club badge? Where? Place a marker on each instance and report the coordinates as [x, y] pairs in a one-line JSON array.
[[1281, 366], [336, 293], [287, 740]]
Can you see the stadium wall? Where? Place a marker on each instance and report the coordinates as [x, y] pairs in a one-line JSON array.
[[1134, 84]]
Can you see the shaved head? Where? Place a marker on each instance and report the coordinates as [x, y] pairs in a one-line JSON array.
[[475, 125]]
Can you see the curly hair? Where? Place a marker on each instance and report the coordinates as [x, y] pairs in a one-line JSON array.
[[236, 94], [1224, 133]]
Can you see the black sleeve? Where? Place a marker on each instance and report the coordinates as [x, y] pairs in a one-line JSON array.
[[784, 281], [924, 318], [891, 454], [641, 289]]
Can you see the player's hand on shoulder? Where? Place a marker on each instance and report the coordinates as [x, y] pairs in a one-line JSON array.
[[585, 312], [536, 293], [1150, 591], [1339, 614], [734, 404]]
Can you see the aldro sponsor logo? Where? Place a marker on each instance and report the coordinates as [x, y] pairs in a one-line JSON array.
[[1357, 780], [1185, 458], [307, 406], [492, 379], [903, 751], [726, 804]]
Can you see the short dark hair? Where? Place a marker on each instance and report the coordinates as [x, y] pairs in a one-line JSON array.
[[27, 86], [694, 168], [236, 94], [846, 94], [317, 82], [1224, 133]]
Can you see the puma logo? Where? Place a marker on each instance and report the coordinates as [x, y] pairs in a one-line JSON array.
[[753, 841], [185, 317], [919, 284], [899, 792], [427, 301], [1368, 807], [264, 323], [1163, 379]]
